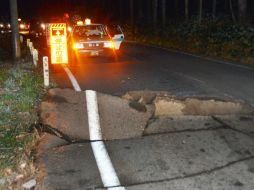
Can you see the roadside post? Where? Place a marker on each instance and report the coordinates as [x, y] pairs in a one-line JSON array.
[[31, 47], [27, 42], [46, 71], [21, 39], [58, 43], [35, 57]]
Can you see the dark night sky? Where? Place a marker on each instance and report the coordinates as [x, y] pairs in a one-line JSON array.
[[44, 8], [105, 10]]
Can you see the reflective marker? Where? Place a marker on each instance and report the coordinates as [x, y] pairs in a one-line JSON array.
[[27, 42], [46, 71], [35, 57], [31, 47]]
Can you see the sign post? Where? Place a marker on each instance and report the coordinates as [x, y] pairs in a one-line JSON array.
[[58, 43]]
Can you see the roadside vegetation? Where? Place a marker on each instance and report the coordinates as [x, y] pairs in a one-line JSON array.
[[214, 38], [21, 88]]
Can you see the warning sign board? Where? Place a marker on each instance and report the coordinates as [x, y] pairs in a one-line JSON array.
[[58, 43]]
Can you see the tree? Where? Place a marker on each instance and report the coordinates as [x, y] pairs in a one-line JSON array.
[[140, 9], [132, 12], [186, 9], [232, 10], [148, 11], [200, 12], [214, 8], [121, 10], [155, 13], [242, 10], [163, 11], [176, 7]]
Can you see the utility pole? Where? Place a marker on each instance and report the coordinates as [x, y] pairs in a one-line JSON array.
[[15, 29]]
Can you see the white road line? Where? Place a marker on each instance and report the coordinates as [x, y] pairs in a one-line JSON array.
[[73, 79], [107, 172]]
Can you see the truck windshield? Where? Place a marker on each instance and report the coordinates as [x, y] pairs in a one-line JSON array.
[[89, 31]]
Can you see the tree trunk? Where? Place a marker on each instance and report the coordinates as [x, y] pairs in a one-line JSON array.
[[232, 11], [121, 10], [186, 9], [155, 13], [176, 8], [200, 12], [132, 12], [148, 11], [164, 12], [242, 10], [140, 10], [214, 8]]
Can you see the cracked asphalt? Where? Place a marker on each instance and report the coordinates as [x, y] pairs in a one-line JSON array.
[[149, 151]]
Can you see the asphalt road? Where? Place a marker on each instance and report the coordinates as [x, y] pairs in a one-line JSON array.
[[178, 153], [147, 68]]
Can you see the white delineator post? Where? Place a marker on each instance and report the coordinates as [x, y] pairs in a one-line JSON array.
[[46, 71], [31, 47], [27, 42], [21, 39], [35, 57]]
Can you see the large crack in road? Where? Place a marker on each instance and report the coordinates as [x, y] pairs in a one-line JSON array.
[[149, 149]]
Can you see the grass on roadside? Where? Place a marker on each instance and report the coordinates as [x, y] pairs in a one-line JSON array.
[[21, 87]]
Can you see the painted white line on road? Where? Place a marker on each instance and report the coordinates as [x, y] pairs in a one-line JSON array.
[[108, 174], [107, 171], [93, 116], [116, 188], [197, 56], [73, 79]]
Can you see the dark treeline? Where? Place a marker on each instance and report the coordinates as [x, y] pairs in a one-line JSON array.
[[160, 12]]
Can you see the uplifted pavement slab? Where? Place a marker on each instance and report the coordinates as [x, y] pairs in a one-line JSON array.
[[65, 111], [181, 123], [119, 120], [172, 106], [243, 123], [70, 167], [177, 155], [145, 97]]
